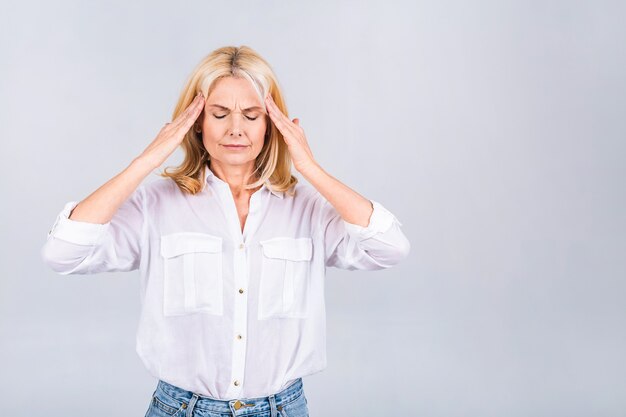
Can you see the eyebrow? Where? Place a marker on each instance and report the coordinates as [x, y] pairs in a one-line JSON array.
[[226, 108]]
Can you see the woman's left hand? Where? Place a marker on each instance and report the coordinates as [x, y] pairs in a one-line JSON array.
[[295, 139]]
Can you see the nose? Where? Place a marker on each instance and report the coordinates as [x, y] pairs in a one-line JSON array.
[[235, 128]]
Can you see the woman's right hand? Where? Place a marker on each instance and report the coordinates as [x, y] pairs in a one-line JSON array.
[[101, 205], [172, 134]]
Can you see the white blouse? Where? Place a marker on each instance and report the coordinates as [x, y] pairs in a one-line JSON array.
[[227, 314]]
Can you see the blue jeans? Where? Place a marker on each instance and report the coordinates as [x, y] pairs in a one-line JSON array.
[[171, 401]]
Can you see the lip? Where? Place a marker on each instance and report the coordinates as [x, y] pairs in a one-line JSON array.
[[234, 146]]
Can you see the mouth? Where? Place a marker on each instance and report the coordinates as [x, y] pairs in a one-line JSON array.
[[234, 147]]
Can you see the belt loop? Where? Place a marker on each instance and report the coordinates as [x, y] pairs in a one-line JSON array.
[[273, 411], [191, 405]]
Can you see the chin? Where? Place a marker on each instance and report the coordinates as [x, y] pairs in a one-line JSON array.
[[236, 159]]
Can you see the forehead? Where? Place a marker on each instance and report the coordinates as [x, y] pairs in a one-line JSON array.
[[232, 92]]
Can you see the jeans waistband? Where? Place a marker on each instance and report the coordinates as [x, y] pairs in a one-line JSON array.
[[239, 406]]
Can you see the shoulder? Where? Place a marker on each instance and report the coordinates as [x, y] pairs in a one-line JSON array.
[[158, 187], [305, 193], [158, 184], [308, 200]]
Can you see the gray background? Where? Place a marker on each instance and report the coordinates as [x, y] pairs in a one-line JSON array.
[[494, 130]]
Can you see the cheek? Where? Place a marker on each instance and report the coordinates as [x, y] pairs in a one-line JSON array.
[[259, 133], [212, 129]]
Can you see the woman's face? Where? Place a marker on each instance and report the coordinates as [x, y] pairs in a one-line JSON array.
[[233, 115]]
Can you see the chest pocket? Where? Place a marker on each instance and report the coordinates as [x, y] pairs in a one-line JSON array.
[[193, 281], [285, 277]]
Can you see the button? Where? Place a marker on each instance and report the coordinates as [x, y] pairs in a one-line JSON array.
[[184, 406], [236, 383], [240, 290], [238, 404], [239, 336], [241, 246]]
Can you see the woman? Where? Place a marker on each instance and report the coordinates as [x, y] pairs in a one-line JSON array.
[[231, 249]]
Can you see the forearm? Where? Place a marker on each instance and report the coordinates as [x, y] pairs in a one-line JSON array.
[[101, 205], [353, 207]]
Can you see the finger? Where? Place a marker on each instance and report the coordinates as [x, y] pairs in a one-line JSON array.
[[187, 122], [191, 113], [277, 112], [185, 113], [280, 120], [280, 123], [196, 104]]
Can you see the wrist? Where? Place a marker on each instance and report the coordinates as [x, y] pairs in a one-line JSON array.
[[143, 164], [308, 168]]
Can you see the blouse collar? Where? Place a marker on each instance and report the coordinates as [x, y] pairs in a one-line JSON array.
[[209, 176]]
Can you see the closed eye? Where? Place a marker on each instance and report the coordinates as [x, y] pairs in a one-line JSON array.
[[221, 117]]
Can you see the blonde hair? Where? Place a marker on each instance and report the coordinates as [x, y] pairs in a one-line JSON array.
[[273, 165]]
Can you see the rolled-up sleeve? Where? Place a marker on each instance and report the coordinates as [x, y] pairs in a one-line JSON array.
[[77, 247], [380, 244]]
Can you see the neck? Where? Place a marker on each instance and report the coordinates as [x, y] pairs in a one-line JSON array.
[[236, 176]]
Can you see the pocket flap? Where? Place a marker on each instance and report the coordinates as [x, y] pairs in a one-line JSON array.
[[293, 249], [175, 244]]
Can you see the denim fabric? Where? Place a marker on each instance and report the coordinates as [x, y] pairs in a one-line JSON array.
[[171, 401]]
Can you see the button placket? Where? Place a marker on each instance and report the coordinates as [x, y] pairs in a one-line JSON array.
[[241, 273], [240, 315]]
